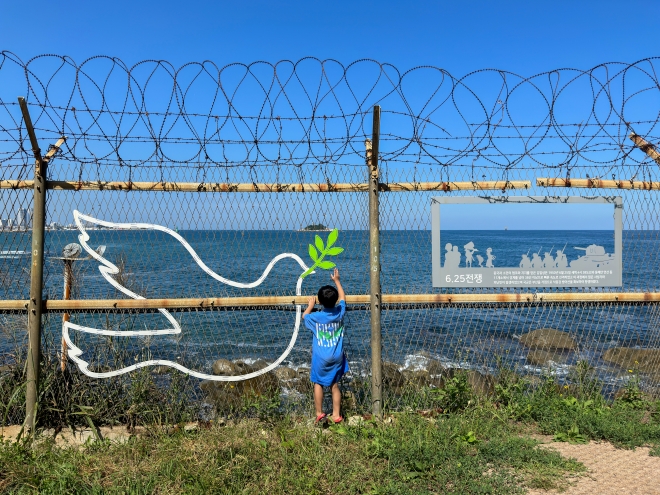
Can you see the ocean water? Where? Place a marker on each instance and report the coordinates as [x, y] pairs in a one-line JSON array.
[[155, 265]]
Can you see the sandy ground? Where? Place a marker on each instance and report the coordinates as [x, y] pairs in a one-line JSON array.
[[610, 471]]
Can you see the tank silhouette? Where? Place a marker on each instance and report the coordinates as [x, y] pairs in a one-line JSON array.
[[594, 257]]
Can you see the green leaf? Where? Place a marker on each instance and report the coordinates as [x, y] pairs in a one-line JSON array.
[[334, 251], [326, 265], [313, 254], [332, 237], [319, 243]]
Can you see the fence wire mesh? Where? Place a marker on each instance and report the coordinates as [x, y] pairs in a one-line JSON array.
[[306, 122]]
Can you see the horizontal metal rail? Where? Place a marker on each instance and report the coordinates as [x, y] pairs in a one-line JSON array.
[[57, 305], [266, 188], [598, 184]]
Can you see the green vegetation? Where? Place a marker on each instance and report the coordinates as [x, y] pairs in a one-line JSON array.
[[469, 453]]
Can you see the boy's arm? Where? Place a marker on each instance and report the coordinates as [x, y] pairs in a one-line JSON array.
[[340, 289], [310, 306]]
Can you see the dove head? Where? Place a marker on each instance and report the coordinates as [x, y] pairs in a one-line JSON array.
[[328, 296]]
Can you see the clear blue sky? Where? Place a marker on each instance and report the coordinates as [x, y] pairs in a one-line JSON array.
[[521, 36]]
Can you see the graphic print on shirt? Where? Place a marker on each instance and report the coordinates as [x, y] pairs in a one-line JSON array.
[[328, 334]]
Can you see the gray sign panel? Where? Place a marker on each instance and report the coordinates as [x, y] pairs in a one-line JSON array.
[[591, 265]]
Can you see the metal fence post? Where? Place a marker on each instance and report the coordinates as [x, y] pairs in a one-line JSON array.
[[36, 274], [374, 268]]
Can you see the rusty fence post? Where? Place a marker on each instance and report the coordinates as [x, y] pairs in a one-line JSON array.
[[36, 274], [374, 268], [35, 304]]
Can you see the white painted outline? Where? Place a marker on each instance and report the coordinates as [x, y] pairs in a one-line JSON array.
[[107, 269]]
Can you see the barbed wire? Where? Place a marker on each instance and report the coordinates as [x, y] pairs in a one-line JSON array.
[[313, 112]]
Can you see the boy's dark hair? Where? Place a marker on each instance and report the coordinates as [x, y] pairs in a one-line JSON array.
[[328, 296]]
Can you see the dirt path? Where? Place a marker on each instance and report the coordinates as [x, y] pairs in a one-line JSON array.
[[611, 471]]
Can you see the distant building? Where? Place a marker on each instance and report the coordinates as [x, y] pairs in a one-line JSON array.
[[22, 218]]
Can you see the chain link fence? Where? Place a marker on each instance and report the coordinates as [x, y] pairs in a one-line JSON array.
[[213, 153]]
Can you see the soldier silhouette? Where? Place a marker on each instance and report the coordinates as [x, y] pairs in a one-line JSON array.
[[548, 260], [560, 260], [469, 249], [525, 262]]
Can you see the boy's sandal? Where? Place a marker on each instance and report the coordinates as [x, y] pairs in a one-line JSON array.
[[320, 417], [338, 420]]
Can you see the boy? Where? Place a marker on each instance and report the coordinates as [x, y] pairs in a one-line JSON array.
[[328, 360]]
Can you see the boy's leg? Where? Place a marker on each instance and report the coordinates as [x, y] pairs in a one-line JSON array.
[[336, 400], [318, 399]]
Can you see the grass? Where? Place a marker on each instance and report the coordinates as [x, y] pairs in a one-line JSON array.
[[463, 443], [473, 452]]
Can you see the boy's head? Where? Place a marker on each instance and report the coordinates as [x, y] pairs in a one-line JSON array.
[[328, 296]]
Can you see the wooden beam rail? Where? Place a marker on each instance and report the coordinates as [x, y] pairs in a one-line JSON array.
[[267, 188], [598, 184], [62, 305], [645, 146]]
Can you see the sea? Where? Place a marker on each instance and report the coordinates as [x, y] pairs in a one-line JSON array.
[[155, 265]]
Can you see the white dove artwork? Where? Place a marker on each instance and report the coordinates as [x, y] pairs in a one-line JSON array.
[[108, 269]]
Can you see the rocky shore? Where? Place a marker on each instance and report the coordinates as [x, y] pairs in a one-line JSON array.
[[546, 347]]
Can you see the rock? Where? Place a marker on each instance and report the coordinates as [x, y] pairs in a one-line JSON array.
[[434, 367], [284, 373], [261, 385], [548, 338], [349, 403], [207, 385], [260, 364], [540, 357], [417, 379], [233, 394], [392, 377], [224, 367], [643, 360], [480, 383], [355, 420], [302, 385], [242, 367]]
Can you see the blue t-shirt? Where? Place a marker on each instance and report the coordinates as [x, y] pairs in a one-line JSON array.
[[328, 361]]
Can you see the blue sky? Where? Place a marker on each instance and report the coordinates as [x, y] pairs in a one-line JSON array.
[[521, 37]]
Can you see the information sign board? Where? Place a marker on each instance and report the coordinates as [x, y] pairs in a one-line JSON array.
[[531, 258]]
